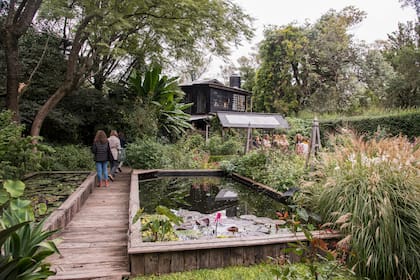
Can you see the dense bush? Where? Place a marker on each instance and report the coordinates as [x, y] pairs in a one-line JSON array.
[[149, 154], [17, 153], [278, 170], [69, 157], [405, 122], [218, 146], [373, 187]]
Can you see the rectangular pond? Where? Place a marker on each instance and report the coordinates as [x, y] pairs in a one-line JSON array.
[[246, 233]]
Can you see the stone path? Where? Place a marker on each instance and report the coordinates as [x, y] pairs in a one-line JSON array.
[[94, 243]]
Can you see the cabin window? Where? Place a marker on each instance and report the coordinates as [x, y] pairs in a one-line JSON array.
[[238, 103]]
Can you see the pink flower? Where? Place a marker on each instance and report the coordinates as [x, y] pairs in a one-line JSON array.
[[218, 218]]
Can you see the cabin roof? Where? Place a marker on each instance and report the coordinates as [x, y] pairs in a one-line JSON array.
[[214, 83]]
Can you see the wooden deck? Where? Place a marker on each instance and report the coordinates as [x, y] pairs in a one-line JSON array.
[[94, 243]]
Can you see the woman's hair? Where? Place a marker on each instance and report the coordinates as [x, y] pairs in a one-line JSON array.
[[100, 137], [113, 133]]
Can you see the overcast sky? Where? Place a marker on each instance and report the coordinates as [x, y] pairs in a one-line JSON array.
[[382, 17]]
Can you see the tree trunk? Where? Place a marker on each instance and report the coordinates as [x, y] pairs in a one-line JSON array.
[[16, 24], [12, 70], [51, 103], [74, 74]]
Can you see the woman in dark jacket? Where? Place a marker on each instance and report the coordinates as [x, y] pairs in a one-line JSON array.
[[101, 152]]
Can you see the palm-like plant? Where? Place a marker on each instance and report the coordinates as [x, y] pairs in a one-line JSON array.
[[23, 243], [165, 97]]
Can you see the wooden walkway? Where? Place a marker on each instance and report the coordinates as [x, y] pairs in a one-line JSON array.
[[94, 243]]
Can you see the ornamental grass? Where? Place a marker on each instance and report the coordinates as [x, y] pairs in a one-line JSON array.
[[372, 194]]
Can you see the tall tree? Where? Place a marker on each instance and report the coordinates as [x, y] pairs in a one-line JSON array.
[[403, 52], [14, 23], [116, 34], [247, 69], [278, 80], [307, 65]]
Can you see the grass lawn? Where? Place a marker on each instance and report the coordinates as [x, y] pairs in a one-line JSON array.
[[256, 272]]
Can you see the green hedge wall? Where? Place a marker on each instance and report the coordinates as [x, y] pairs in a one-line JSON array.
[[405, 123]]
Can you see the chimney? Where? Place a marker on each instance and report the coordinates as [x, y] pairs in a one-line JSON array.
[[235, 81]]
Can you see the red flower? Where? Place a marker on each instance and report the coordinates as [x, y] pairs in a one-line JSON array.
[[218, 218]]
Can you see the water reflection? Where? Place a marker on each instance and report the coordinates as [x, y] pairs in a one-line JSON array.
[[206, 195]]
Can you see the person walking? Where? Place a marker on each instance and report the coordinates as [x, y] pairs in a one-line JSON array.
[[123, 143], [102, 154], [115, 145]]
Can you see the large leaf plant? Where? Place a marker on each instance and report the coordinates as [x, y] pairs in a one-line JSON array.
[[24, 245], [162, 95]]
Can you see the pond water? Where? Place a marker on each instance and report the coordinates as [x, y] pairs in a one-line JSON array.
[[52, 188], [206, 195], [198, 200]]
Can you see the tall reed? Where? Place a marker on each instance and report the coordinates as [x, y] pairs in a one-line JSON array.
[[375, 185]]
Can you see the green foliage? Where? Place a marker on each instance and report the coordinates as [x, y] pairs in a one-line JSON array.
[[309, 66], [146, 154], [371, 190], [298, 125], [68, 157], [158, 227], [24, 245], [218, 146], [316, 256], [162, 95], [254, 272], [278, 170], [193, 142], [403, 53], [17, 153], [395, 123], [149, 154]]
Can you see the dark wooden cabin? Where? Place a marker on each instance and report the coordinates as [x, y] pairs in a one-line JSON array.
[[211, 96]]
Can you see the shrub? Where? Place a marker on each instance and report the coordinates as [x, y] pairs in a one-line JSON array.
[[69, 157], [149, 154], [217, 146], [374, 188], [17, 153], [278, 170], [405, 122], [146, 154]]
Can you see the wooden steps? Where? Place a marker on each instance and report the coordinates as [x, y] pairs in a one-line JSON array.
[[94, 243]]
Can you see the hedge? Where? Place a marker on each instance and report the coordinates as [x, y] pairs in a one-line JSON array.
[[406, 123]]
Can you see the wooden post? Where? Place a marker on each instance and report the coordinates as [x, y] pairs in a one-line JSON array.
[[315, 144], [207, 133], [248, 135]]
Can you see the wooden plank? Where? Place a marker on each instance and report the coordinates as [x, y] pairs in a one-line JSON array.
[[222, 243], [151, 263], [204, 259], [259, 254], [216, 258], [226, 257], [249, 255], [95, 241], [164, 263], [190, 260], [137, 264], [237, 256], [177, 261]]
